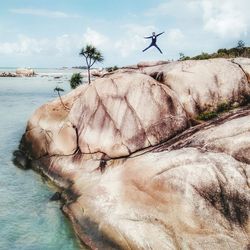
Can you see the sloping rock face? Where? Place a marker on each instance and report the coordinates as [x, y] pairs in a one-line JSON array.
[[203, 85], [49, 128], [244, 64], [110, 116], [135, 175]]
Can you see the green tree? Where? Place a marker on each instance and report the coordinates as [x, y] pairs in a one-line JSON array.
[[111, 69], [181, 55], [58, 90], [75, 80], [240, 44], [92, 55], [240, 47]]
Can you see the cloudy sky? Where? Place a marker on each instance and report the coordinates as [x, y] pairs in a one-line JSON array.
[[49, 33]]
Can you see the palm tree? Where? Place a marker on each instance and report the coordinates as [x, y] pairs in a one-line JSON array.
[[92, 55], [75, 80], [58, 90], [240, 47]]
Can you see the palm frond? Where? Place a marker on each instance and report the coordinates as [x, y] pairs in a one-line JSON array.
[[58, 89], [91, 52]]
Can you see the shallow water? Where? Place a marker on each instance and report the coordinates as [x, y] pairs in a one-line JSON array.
[[27, 219]]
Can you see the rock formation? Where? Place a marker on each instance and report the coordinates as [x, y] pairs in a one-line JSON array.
[[19, 73], [25, 72], [134, 171], [8, 74]]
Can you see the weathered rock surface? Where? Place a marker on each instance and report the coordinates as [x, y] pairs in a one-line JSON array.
[[151, 64], [8, 74], [19, 73], [110, 116], [25, 72], [135, 175], [235, 142], [203, 85], [244, 64], [49, 128], [184, 199]]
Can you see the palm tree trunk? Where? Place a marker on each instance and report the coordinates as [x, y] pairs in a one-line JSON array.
[[62, 100], [89, 74]]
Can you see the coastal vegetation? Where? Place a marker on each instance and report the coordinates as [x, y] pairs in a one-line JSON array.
[[76, 80], [58, 90], [92, 55], [111, 69], [240, 50], [222, 107]]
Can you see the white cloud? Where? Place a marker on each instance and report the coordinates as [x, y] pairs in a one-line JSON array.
[[43, 13], [62, 45], [174, 36], [95, 38], [133, 39], [226, 18], [161, 9], [172, 7], [24, 46]]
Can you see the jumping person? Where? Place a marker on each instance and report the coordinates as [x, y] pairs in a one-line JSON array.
[[153, 42]]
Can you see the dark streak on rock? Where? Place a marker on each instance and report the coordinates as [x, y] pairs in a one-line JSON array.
[[245, 74], [184, 139], [103, 163], [158, 76], [88, 231], [243, 155], [231, 204], [69, 195], [170, 104]]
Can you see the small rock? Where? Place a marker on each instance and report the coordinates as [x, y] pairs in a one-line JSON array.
[[56, 196], [20, 160]]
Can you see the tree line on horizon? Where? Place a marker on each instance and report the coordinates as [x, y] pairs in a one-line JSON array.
[[239, 51]]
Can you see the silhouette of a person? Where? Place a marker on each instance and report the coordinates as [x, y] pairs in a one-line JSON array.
[[153, 42]]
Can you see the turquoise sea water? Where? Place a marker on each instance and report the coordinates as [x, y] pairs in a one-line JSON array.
[[28, 220]]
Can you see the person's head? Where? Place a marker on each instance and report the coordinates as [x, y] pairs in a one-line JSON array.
[[153, 33]]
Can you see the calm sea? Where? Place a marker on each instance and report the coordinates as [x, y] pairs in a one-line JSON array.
[[28, 220]]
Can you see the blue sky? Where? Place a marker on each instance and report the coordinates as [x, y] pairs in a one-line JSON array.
[[50, 33]]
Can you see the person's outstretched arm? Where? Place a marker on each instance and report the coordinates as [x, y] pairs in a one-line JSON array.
[[147, 37], [160, 33]]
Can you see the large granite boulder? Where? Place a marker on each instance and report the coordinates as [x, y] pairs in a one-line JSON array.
[[126, 112], [113, 116], [25, 72], [49, 131], [134, 174], [183, 199], [203, 85]]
